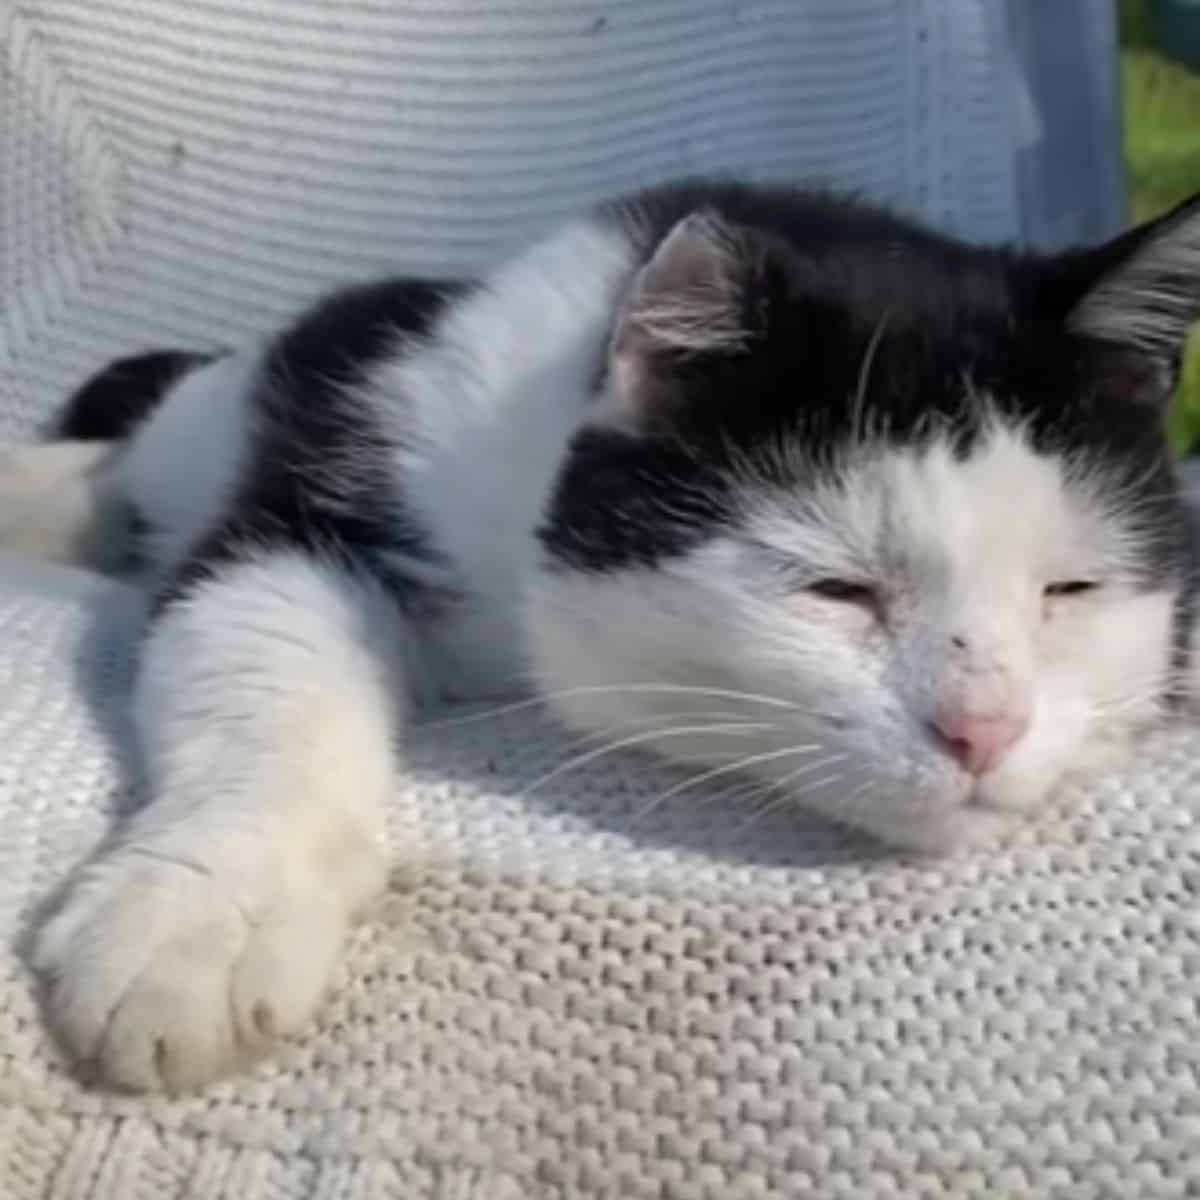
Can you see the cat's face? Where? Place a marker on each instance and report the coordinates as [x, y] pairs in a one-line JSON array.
[[901, 537]]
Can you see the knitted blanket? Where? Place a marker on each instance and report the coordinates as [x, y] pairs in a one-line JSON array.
[[576, 989]]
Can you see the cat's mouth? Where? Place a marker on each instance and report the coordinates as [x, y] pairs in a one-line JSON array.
[[999, 792]]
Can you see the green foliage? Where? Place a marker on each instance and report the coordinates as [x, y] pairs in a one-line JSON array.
[[1161, 102]]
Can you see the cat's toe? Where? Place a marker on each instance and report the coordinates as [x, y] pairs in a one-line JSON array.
[[158, 979]]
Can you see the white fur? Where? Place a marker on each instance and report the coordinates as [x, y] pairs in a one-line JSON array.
[[265, 705], [58, 503], [73, 501], [181, 466], [489, 402], [944, 541]]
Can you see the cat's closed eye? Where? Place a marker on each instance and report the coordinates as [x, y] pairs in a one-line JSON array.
[[845, 591], [1069, 587]]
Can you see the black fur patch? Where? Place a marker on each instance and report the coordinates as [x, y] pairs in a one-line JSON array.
[[623, 501], [952, 331], [320, 476], [110, 405]]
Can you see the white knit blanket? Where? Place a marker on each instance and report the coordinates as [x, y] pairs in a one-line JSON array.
[[576, 992], [572, 991]]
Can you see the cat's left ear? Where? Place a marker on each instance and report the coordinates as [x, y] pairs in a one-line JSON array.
[[1137, 296], [687, 303]]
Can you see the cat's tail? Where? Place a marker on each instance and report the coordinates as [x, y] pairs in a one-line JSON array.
[[62, 500]]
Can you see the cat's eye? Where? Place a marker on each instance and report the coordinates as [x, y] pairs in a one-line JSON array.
[[845, 591], [1069, 587]]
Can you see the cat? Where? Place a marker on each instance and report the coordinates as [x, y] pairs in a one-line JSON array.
[[774, 452]]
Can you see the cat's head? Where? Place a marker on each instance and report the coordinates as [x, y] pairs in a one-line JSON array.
[[888, 519]]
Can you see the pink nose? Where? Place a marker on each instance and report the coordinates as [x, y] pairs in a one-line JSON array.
[[980, 743]]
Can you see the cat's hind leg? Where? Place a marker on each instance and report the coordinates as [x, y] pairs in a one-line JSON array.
[[71, 499], [62, 502]]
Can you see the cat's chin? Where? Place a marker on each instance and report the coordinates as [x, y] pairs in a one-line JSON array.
[[1006, 794], [1020, 788], [928, 810], [971, 827]]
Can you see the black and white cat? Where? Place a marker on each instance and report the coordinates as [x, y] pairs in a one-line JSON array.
[[853, 484]]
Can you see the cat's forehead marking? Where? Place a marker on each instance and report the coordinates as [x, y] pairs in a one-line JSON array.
[[995, 500], [1000, 507]]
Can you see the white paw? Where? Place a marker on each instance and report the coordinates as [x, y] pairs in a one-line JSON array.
[[57, 503], [161, 975]]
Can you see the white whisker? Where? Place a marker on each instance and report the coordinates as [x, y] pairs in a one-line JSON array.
[[741, 764], [639, 739], [788, 779], [790, 798], [857, 430], [1153, 698], [737, 766], [613, 689], [817, 784], [736, 792], [632, 723]]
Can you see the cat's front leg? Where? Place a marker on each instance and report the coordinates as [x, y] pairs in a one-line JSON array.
[[265, 705]]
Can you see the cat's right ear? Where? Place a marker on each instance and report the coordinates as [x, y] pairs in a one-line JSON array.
[[686, 304]]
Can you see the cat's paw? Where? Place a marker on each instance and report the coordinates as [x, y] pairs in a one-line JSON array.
[[57, 504], [161, 975]]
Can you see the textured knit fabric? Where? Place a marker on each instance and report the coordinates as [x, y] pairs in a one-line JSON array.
[[572, 990], [190, 170]]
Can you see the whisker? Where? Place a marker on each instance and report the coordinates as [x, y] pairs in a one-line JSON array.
[[847, 804], [651, 719], [781, 785], [639, 739], [741, 764], [612, 689], [738, 765], [817, 784], [1106, 708], [656, 801], [759, 813], [734, 793], [655, 769], [790, 798], [738, 793], [855, 796], [1153, 701], [864, 377]]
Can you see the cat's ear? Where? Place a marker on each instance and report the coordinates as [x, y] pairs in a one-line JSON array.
[[1137, 296], [686, 303]]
